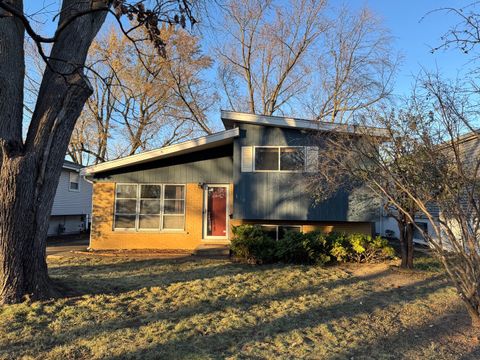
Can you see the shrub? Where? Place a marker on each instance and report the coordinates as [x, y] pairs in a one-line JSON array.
[[360, 248], [251, 244], [299, 248]]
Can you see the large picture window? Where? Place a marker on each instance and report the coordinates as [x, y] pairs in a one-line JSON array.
[[149, 207], [279, 158]]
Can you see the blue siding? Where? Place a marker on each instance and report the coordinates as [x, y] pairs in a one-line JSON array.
[[213, 166], [285, 196]]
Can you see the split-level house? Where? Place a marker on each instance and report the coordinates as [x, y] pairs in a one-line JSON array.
[[72, 205], [191, 194]]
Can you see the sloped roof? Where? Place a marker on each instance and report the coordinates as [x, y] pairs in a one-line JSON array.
[[201, 143], [230, 118]]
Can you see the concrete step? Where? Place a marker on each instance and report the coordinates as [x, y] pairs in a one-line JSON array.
[[212, 250]]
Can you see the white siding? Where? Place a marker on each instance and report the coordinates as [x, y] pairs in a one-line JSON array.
[[69, 202]]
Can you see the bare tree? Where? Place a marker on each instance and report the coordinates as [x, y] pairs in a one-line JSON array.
[[355, 68], [263, 56], [428, 161], [30, 167]]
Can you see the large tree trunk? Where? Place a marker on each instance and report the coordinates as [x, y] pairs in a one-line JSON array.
[[29, 172]]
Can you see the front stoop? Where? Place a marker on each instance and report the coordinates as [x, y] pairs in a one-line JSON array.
[[212, 250]]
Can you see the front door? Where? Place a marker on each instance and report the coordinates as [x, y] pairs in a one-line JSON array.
[[216, 216]]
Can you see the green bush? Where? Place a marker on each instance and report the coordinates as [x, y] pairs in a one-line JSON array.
[[299, 248], [360, 248], [250, 243]]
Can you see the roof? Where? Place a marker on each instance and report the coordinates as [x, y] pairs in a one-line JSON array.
[[201, 143], [71, 166], [231, 118]]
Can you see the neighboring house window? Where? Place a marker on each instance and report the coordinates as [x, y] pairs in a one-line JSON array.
[[417, 234], [150, 207], [279, 158], [277, 232], [74, 181]]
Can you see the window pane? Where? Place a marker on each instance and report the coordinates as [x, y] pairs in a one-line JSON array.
[[266, 158], [151, 191], [126, 206], [282, 230], [149, 222], [125, 221], [173, 191], [74, 186], [292, 158], [173, 222], [173, 206], [149, 206], [127, 191], [270, 231]]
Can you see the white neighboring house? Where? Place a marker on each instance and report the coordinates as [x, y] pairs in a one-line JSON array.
[[72, 206]]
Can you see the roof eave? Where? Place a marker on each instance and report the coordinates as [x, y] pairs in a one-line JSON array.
[[203, 142]]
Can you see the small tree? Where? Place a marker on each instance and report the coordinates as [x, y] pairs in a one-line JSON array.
[[429, 155]]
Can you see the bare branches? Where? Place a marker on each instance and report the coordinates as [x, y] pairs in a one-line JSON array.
[[133, 108], [265, 49]]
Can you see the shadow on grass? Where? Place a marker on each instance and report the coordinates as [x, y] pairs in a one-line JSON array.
[[82, 280], [229, 342], [135, 321], [420, 337]]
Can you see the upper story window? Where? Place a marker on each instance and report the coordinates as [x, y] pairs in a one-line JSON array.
[[149, 207], [279, 158], [74, 181]]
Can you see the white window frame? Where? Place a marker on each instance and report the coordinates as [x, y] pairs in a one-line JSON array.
[[279, 159], [277, 226], [70, 181], [162, 204], [136, 208], [162, 209]]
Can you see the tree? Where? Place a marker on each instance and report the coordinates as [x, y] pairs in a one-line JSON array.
[[369, 159], [276, 57], [264, 52], [355, 67], [426, 156], [30, 167], [147, 101]]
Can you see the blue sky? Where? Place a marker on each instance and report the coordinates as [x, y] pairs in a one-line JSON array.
[[413, 36]]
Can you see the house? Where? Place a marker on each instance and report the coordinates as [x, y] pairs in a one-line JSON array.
[[72, 206], [190, 194], [469, 150]]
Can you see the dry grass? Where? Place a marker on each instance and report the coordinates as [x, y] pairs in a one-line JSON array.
[[214, 309]]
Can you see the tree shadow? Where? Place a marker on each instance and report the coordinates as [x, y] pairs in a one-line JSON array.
[[227, 343], [135, 321], [98, 279]]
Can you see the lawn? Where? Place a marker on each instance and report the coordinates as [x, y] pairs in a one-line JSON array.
[[215, 309]]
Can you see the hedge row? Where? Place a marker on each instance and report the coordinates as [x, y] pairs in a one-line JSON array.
[[251, 244]]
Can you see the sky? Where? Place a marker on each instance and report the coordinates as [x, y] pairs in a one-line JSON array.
[[414, 33]]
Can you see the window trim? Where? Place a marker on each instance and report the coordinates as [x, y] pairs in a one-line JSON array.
[[279, 147], [70, 182], [277, 226], [137, 209]]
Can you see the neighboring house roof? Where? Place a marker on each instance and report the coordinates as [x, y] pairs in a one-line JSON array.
[[71, 166], [201, 143], [230, 118]]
